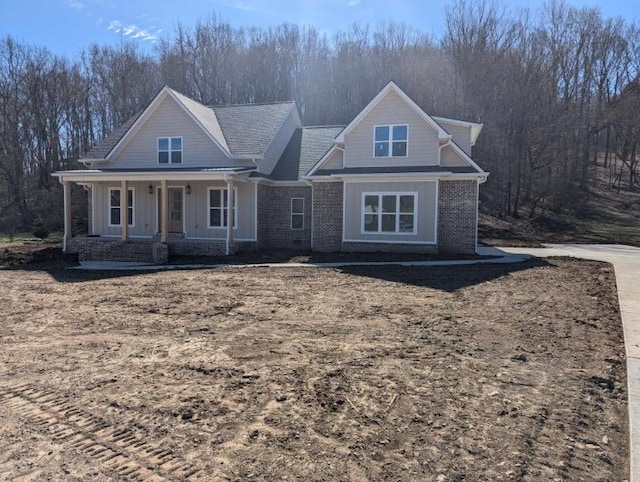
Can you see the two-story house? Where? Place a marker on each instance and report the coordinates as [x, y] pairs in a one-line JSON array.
[[184, 178]]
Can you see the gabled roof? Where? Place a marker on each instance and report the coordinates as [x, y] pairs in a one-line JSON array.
[[250, 128], [240, 131], [306, 147], [391, 86]]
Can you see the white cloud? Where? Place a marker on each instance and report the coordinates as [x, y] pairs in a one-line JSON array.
[[132, 31], [352, 3], [247, 7], [78, 4]]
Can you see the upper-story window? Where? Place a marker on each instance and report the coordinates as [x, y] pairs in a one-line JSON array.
[[391, 140], [169, 150]]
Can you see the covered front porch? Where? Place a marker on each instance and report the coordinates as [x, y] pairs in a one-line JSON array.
[[149, 215]]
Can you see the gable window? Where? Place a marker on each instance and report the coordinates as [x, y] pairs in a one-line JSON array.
[[392, 213], [218, 208], [297, 213], [169, 150], [115, 207], [391, 140]]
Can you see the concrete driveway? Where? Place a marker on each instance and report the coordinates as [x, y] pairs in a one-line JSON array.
[[626, 262]]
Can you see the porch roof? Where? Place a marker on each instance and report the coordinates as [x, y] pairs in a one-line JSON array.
[[173, 174]]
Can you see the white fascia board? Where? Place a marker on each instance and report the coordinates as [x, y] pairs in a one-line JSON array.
[[97, 176], [442, 133]]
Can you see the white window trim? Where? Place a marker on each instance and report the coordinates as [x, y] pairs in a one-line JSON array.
[[297, 214], [170, 151], [390, 141], [209, 207], [132, 221], [397, 214]]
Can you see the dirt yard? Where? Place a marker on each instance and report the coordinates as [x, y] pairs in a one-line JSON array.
[[491, 372]]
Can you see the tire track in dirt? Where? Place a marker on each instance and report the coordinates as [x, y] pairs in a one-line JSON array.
[[117, 450]]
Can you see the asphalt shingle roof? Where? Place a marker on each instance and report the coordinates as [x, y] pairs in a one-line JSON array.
[[249, 128], [305, 149], [206, 116], [244, 131]]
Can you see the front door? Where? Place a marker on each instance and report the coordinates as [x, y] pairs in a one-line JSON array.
[[176, 200]]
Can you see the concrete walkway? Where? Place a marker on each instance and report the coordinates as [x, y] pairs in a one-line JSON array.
[[626, 262], [625, 259]]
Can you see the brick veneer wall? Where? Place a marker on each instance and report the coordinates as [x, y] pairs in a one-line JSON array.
[[264, 216], [327, 216], [282, 236], [106, 249], [389, 248], [149, 250], [457, 210]]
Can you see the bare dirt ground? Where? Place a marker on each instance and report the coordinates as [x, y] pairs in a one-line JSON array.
[[489, 372]]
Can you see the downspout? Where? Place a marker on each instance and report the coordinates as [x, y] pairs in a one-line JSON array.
[[310, 184], [448, 143], [230, 216]]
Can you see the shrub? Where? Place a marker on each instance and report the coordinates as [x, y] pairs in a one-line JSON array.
[[39, 230]]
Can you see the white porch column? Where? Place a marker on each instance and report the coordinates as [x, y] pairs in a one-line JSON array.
[[230, 217], [66, 188], [164, 221], [124, 209]]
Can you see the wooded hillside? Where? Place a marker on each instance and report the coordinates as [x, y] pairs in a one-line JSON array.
[[557, 90]]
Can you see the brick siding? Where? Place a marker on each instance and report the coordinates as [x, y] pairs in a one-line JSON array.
[[355, 247], [282, 236], [327, 216], [457, 210], [264, 216]]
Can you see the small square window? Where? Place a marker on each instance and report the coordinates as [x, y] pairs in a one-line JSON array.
[[169, 150], [391, 140]]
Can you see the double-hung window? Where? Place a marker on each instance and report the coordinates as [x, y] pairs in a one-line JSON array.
[[391, 140], [218, 208], [169, 150], [115, 207], [392, 213], [297, 213]]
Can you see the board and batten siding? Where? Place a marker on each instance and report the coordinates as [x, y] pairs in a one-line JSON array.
[[170, 120], [143, 206], [450, 158], [391, 109], [197, 211], [427, 195], [279, 142], [461, 135]]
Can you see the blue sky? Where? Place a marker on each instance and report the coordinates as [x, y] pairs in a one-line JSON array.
[[68, 26]]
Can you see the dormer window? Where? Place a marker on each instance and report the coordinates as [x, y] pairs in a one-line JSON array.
[[391, 140], [169, 150]]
